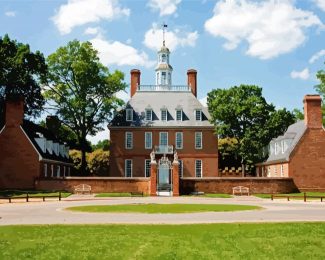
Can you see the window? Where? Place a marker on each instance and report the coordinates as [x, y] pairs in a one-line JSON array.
[[129, 114], [52, 170], [149, 114], [198, 115], [128, 168], [163, 58], [45, 169], [147, 168], [269, 171], [64, 171], [58, 171], [163, 138], [275, 170], [179, 115], [281, 172], [148, 140], [282, 146], [198, 168], [275, 148], [198, 140], [128, 140], [179, 140], [164, 115], [163, 78], [180, 168]]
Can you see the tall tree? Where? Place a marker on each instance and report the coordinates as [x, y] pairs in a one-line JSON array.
[[82, 90], [242, 113], [320, 88], [21, 74]]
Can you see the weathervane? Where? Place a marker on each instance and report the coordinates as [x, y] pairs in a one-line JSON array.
[[163, 28]]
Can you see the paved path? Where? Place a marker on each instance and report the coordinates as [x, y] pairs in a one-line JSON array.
[[53, 212]]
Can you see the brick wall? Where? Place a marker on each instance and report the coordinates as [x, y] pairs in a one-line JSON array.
[[98, 184], [225, 185]]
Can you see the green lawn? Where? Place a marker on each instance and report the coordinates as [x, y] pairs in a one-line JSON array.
[[217, 195], [211, 241], [268, 196], [17, 193], [162, 208], [116, 194]]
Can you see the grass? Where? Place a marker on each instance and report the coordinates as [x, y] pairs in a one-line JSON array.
[[162, 208], [116, 194], [268, 196], [210, 241], [17, 193], [211, 195]]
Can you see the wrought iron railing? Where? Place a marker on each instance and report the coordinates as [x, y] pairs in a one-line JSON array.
[[180, 88], [164, 149]]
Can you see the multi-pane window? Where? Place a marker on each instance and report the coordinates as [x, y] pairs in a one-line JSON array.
[[198, 115], [148, 140], [45, 170], [164, 115], [128, 168], [179, 115], [149, 114], [163, 138], [58, 169], [163, 78], [180, 168], [147, 168], [179, 140], [198, 168], [282, 172], [198, 140], [128, 140], [129, 114]]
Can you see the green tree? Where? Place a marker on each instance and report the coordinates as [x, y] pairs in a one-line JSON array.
[[298, 114], [82, 90], [98, 162], [21, 74], [242, 113], [103, 144], [320, 88]]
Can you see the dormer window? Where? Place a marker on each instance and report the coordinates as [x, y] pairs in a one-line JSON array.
[[282, 146], [164, 115], [148, 114], [179, 115], [129, 114], [198, 115], [275, 148]]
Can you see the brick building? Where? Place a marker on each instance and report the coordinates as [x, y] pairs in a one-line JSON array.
[[28, 151], [300, 152], [163, 132]]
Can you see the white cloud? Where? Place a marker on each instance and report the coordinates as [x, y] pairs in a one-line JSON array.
[[80, 12], [317, 56], [115, 52], [10, 13], [164, 7], [304, 74], [204, 101], [320, 4], [153, 38], [270, 27], [92, 30]]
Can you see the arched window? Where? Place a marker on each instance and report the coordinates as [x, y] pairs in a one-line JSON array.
[[163, 58]]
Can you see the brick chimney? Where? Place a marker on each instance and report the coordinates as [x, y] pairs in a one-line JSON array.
[[14, 112], [313, 111], [191, 80], [135, 80], [53, 124]]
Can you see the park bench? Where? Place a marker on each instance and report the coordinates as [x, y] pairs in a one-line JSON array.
[[82, 188], [240, 190]]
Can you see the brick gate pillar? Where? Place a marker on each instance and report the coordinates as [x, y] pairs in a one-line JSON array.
[[175, 178], [153, 178]]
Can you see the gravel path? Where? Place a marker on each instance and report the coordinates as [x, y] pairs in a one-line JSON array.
[[53, 211]]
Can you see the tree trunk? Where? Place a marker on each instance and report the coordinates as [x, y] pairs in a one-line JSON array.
[[83, 168], [243, 168]]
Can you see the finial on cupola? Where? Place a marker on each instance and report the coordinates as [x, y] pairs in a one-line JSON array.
[[163, 28]]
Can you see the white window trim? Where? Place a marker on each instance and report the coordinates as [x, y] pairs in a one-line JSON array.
[[180, 169], [58, 171], [145, 140], [160, 133], [201, 169], [129, 110], [282, 146], [52, 170], [126, 140], [179, 110], [201, 143], [181, 133], [146, 111], [125, 168], [281, 170], [45, 170], [161, 115], [145, 168], [200, 114]]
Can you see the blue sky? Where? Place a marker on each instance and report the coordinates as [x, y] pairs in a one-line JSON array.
[[276, 44]]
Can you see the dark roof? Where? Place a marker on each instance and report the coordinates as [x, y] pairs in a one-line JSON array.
[[33, 131], [157, 100]]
